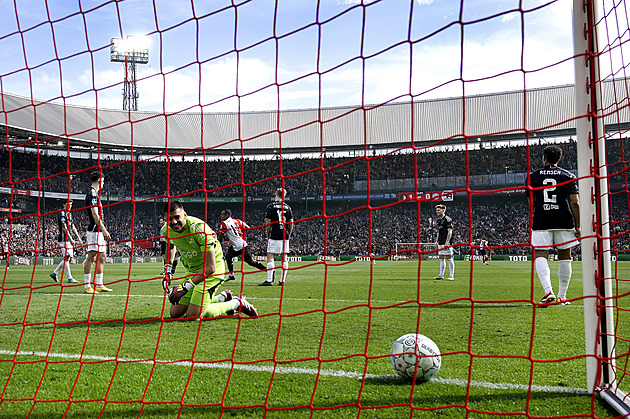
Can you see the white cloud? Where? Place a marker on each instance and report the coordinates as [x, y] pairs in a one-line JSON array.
[[548, 40], [508, 17]]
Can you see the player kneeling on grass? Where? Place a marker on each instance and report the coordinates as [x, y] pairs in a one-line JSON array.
[[202, 256]]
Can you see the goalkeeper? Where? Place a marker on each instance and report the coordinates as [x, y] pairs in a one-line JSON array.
[[202, 256]]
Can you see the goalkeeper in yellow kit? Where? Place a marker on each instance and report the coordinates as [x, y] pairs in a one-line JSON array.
[[202, 256]]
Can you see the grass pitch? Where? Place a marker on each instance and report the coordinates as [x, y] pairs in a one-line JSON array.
[[320, 348]]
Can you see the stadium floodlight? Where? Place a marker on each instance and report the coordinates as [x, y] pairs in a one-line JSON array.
[[130, 51]]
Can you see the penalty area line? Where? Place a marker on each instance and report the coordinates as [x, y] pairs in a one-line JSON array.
[[279, 369]]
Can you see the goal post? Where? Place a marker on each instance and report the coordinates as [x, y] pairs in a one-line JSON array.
[[600, 336]]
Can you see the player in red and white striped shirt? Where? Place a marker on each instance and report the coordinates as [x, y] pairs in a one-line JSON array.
[[233, 230]]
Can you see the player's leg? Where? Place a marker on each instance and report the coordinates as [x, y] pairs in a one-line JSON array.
[[54, 273], [564, 274], [442, 266], [285, 269], [98, 276], [451, 266], [541, 263], [68, 255], [213, 303], [185, 307], [229, 256], [205, 302], [542, 241], [87, 271], [247, 257], [271, 265], [100, 265], [567, 240], [61, 264]]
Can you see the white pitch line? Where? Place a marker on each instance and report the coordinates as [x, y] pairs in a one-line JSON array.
[[328, 300], [279, 369]]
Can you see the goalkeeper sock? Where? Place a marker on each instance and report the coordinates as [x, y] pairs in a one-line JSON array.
[[87, 279], [564, 277], [219, 298], [544, 274], [442, 267], [451, 267], [219, 309], [285, 270], [270, 268], [68, 273], [98, 280]]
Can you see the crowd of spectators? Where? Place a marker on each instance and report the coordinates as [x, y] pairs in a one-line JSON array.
[[341, 231], [236, 177], [344, 229]]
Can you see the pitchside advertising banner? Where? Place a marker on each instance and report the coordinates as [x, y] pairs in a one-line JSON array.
[[426, 196], [444, 195], [448, 195]]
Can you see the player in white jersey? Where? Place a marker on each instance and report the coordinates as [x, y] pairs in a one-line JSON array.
[[233, 230], [66, 242]]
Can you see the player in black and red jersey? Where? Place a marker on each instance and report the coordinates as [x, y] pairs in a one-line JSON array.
[[556, 221], [279, 222]]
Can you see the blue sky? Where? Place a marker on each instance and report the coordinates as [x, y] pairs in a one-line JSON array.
[[358, 53]]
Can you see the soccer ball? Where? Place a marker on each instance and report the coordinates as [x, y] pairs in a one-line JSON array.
[[415, 351]]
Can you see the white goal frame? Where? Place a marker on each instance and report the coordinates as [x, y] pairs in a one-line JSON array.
[[593, 183]]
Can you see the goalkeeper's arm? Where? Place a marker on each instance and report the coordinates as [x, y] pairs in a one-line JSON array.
[[169, 254], [209, 270], [175, 294]]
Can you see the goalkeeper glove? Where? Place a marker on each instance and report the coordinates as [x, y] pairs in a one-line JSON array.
[[168, 275], [176, 293]]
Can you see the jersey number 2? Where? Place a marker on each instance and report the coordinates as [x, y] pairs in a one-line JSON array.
[[548, 196]]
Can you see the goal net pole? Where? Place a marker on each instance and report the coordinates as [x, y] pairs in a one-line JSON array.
[[594, 209]]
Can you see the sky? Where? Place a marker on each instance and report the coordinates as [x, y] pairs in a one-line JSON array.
[[259, 55]]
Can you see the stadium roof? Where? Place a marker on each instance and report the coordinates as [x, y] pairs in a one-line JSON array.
[[499, 116]]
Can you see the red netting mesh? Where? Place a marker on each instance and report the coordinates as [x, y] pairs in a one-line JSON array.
[[371, 74]]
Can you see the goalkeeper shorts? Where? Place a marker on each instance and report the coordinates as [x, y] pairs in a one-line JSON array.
[[201, 294]]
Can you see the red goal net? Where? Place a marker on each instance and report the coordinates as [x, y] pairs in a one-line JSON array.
[[369, 114]]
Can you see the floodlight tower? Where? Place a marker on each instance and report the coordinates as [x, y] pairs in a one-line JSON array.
[[129, 51]]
